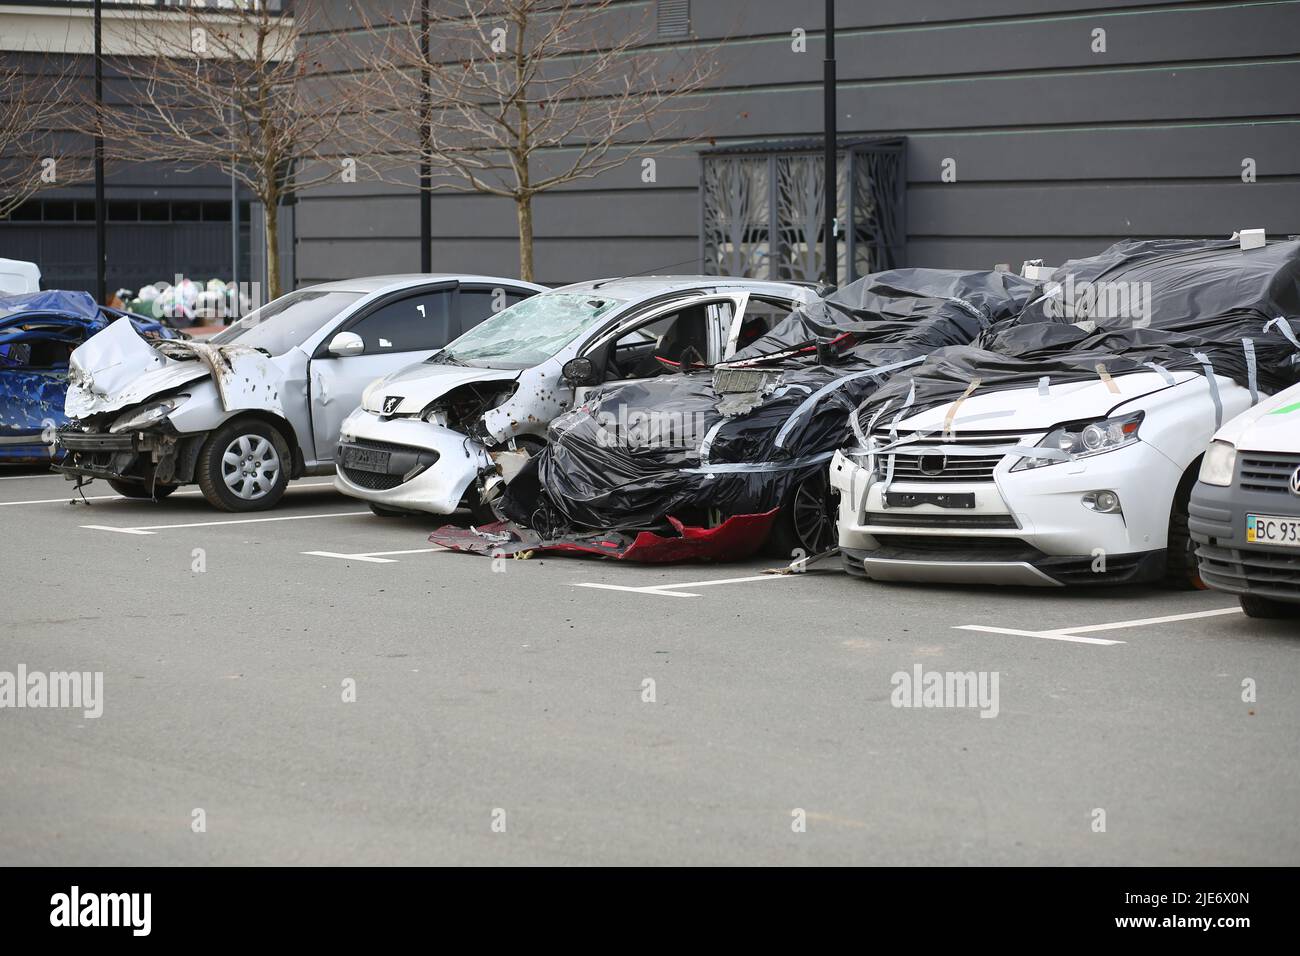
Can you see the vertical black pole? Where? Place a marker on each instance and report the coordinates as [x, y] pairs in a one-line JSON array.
[[426, 135], [831, 273], [101, 253], [230, 314]]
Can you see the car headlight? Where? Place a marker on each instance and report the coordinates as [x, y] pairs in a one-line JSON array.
[[1083, 440], [1219, 463], [151, 413]]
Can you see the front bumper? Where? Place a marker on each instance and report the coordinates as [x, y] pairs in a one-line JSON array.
[[430, 467], [1023, 528], [101, 455], [1217, 521]]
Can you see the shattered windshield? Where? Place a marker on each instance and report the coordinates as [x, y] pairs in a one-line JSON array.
[[529, 332], [288, 321]]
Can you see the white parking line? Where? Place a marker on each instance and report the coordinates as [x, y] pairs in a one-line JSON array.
[[1045, 635], [25, 477], [153, 528], [1071, 633], [673, 590], [373, 557], [63, 500], [73, 496]]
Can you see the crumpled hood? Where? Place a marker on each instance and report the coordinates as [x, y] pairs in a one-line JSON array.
[[1027, 409], [418, 385], [117, 368]]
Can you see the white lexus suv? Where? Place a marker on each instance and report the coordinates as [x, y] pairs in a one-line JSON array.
[[1070, 483]]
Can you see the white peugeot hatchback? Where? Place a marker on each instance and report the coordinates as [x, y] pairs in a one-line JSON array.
[[445, 432]]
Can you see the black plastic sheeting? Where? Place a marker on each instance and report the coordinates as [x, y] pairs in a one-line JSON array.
[[1190, 304], [636, 454]]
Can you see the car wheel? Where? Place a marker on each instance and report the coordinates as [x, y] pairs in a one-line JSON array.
[[244, 466], [136, 489], [1182, 572], [1256, 606], [806, 524]]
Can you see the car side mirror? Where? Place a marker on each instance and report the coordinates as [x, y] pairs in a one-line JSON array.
[[580, 372], [346, 343]]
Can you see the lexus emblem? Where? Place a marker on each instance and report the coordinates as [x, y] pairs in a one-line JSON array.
[[932, 465], [391, 402], [1295, 482]]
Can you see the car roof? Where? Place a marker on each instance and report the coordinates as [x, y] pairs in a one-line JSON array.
[[643, 287], [369, 284]]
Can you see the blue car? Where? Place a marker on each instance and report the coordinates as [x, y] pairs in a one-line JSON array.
[[38, 331]]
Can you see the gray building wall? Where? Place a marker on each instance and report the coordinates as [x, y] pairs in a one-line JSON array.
[[1058, 149]]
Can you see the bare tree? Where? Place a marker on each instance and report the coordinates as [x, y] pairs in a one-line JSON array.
[[38, 103], [230, 86], [520, 96]]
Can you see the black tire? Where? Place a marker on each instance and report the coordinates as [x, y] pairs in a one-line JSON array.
[[806, 523], [260, 487], [136, 489], [1182, 571], [388, 512], [1256, 606]]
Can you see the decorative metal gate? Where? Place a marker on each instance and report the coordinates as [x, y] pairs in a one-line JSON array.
[[762, 210]]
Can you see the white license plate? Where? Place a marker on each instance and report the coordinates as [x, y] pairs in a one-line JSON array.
[[1271, 529]]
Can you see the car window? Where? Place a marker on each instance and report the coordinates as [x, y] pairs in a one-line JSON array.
[[761, 316], [479, 304], [668, 341], [410, 324], [530, 331], [288, 321]]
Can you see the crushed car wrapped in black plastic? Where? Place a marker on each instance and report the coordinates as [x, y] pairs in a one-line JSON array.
[[680, 454], [1178, 304]]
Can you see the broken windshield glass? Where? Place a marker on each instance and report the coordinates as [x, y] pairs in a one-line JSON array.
[[529, 332]]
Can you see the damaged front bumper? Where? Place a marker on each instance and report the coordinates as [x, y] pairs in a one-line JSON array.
[[407, 463], [135, 456]]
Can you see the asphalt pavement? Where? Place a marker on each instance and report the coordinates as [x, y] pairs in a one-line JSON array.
[[317, 685]]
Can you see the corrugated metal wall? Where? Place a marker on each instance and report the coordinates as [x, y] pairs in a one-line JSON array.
[[1058, 149]]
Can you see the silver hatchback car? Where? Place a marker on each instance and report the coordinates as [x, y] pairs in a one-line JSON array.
[[262, 401]]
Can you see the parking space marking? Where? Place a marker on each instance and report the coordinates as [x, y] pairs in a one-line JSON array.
[[1045, 635], [25, 477], [64, 499], [1071, 634], [372, 557], [74, 497], [673, 590], [154, 528]]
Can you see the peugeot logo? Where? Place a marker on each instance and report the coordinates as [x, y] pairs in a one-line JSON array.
[[1295, 482], [932, 465], [391, 402]]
